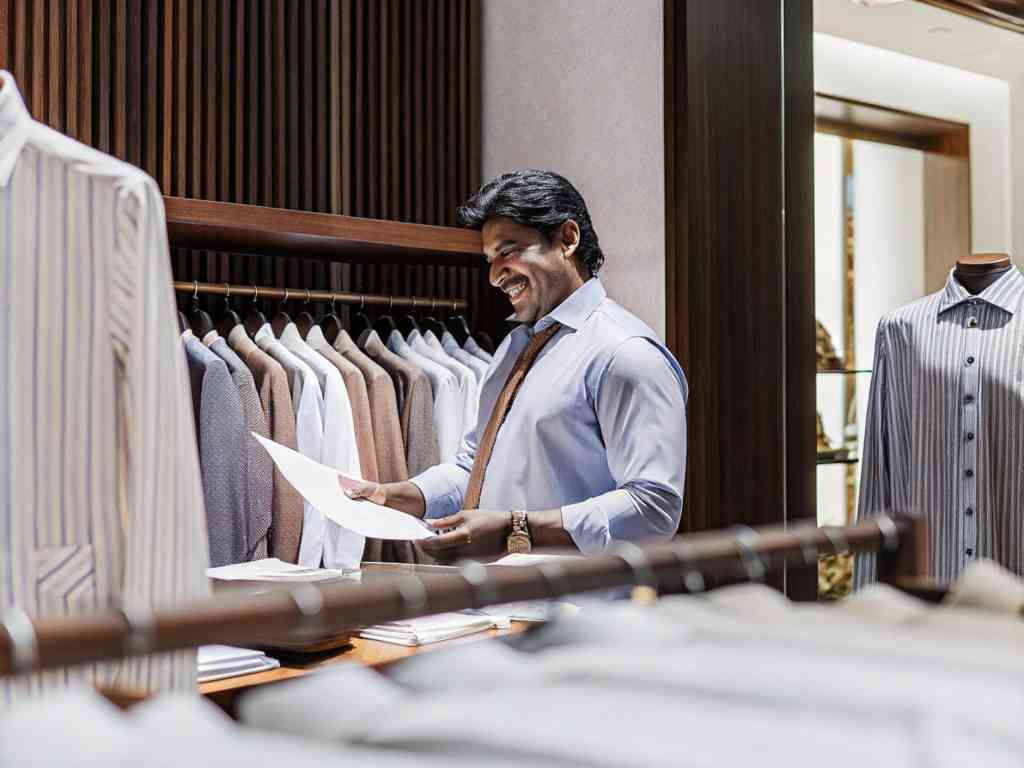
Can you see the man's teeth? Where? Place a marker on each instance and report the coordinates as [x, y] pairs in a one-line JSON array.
[[516, 289]]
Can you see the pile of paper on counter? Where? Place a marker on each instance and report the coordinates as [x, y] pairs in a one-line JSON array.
[[272, 569]]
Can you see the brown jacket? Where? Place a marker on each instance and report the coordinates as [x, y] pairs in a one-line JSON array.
[[276, 399], [416, 405], [359, 398]]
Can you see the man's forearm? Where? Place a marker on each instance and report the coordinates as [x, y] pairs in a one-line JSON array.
[[406, 497], [548, 530]]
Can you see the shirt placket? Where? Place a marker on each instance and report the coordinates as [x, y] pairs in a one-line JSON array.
[[969, 437]]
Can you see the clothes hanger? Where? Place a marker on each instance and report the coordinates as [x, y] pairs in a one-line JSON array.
[[978, 271], [282, 319], [200, 321], [385, 323], [255, 319], [430, 323], [361, 321], [304, 320], [457, 326], [483, 340], [407, 323], [331, 323], [229, 319]]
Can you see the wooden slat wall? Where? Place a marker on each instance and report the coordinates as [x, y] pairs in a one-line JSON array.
[[361, 107]]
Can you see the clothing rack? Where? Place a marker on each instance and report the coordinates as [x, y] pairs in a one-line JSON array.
[[681, 565], [334, 297]]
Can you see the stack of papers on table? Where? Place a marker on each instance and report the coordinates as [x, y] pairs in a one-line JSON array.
[[271, 569], [219, 661], [433, 629]]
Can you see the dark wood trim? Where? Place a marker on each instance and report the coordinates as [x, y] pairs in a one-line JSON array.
[[854, 119], [255, 229], [739, 126], [1008, 14]]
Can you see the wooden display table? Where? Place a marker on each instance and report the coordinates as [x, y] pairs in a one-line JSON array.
[[369, 653]]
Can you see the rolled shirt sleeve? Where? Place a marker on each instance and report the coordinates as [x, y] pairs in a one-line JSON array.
[[641, 409]]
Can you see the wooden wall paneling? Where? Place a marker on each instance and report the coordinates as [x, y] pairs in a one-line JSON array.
[[255, 107], [418, 100], [349, 106], [739, 255]]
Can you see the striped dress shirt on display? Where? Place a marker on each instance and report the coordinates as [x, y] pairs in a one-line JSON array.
[[100, 497], [944, 435]]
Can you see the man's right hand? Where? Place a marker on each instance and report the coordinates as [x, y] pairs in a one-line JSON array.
[[403, 496]]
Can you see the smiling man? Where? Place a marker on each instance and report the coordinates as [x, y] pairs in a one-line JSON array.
[[581, 436]]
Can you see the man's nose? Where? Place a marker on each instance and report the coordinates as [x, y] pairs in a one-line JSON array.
[[496, 273]]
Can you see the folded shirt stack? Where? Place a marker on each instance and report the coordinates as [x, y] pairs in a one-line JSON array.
[[217, 662], [433, 629]]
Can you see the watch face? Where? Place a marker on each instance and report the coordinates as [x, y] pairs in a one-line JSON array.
[[518, 544]]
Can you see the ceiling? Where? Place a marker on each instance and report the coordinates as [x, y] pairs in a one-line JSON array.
[[926, 32]]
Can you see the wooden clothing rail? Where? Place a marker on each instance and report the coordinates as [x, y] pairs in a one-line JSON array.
[[679, 565], [334, 297]]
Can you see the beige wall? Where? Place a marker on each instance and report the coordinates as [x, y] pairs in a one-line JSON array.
[[576, 87], [1017, 158]]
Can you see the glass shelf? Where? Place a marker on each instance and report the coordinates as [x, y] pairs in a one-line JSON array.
[[844, 370], [847, 460]]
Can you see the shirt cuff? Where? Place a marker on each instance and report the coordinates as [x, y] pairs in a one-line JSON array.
[[443, 488]]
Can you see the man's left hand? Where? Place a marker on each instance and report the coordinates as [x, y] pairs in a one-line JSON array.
[[475, 533]]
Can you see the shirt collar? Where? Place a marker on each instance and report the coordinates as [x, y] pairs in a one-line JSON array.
[[576, 309], [1006, 293], [15, 122]]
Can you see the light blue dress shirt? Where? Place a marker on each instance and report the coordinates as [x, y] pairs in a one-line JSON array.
[[598, 429]]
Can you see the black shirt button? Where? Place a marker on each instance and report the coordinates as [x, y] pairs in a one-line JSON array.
[[969, 472], [968, 511], [969, 398], [970, 551], [970, 435], [970, 360]]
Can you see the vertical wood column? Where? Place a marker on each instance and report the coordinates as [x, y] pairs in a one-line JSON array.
[[739, 257]]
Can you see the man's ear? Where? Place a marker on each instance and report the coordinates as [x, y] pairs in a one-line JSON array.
[[569, 236]]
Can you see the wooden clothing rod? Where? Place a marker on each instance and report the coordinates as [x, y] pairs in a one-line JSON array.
[[679, 565], [338, 297]]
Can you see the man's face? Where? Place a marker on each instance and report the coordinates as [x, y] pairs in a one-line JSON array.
[[534, 274]]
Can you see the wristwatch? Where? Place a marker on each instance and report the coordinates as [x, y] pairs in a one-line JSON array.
[[518, 541]]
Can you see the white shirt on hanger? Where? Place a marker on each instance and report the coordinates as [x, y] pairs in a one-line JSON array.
[[342, 548], [468, 386], [476, 350], [448, 404], [451, 346], [307, 400]]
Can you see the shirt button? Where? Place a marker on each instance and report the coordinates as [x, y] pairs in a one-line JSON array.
[[968, 511], [970, 361], [970, 551], [969, 472], [969, 399], [972, 322], [970, 435]]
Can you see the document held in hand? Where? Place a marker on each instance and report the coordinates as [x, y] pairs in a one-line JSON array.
[[321, 486]]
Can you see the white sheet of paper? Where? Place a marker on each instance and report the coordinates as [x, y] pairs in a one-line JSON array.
[[318, 484]]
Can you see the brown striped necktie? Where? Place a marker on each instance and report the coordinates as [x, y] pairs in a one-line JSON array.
[[501, 409]]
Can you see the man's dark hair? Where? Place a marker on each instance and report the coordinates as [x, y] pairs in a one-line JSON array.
[[541, 200]]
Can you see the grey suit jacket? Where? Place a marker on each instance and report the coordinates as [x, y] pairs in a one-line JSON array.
[[220, 426], [416, 406], [259, 466], [276, 399]]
